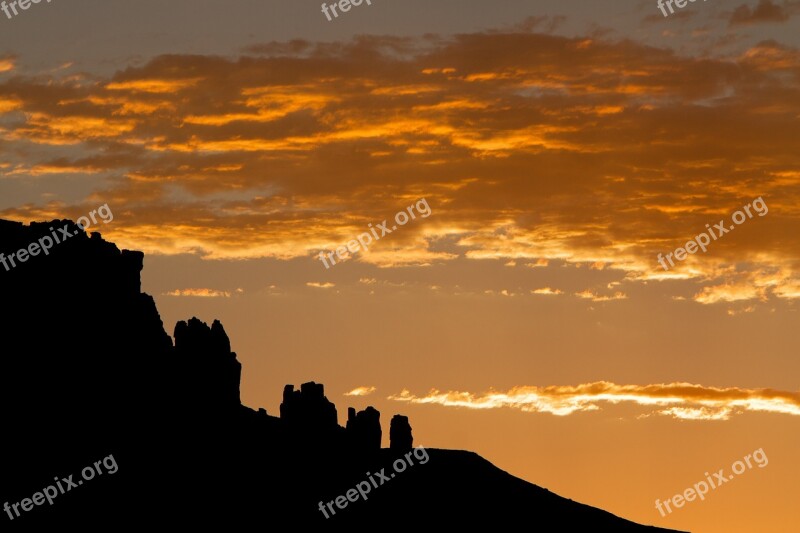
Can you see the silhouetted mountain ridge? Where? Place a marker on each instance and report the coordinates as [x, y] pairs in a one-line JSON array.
[[87, 371]]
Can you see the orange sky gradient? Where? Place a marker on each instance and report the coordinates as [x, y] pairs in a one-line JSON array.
[[527, 318]]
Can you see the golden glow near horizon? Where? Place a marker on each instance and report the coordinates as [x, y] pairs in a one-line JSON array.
[[557, 166]]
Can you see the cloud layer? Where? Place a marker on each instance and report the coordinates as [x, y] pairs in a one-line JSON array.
[[678, 400], [527, 146]]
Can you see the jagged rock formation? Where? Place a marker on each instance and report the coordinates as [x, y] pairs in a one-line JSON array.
[[211, 373], [87, 370], [308, 407], [364, 429], [400, 438]]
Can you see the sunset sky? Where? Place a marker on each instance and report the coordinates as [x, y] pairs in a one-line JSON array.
[[560, 147]]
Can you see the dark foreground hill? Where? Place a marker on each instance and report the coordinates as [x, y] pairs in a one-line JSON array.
[[106, 423]]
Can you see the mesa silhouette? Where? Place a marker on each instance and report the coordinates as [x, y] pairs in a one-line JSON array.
[[87, 370]]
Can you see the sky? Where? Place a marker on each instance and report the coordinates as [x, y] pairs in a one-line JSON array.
[[525, 179]]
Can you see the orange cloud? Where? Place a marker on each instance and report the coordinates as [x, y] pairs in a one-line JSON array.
[[563, 141], [202, 293], [9, 104], [361, 391], [318, 285], [153, 85], [588, 294], [7, 63], [547, 291], [677, 400]]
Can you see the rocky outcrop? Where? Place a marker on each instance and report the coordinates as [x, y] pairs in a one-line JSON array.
[[364, 429], [308, 408], [400, 438], [210, 373], [88, 372]]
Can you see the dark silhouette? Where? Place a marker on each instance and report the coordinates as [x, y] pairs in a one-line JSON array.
[[211, 373], [400, 438], [308, 407], [364, 429], [87, 370]]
